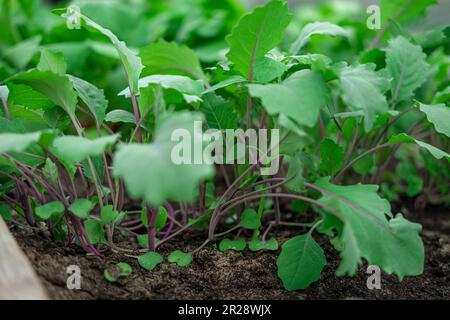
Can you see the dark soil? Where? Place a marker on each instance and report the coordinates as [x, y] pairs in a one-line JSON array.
[[232, 275]]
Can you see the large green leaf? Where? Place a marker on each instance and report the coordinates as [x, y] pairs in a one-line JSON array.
[[438, 115], [18, 142], [149, 171], [131, 61], [52, 61], [21, 54], [167, 57], [23, 95], [313, 28], [403, 10], [75, 149], [218, 112], [189, 88], [300, 262], [256, 34], [93, 97], [365, 232], [404, 138], [331, 157], [81, 208], [301, 96], [362, 89], [56, 87], [406, 65]]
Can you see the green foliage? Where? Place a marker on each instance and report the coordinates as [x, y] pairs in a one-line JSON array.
[[120, 270], [150, 260], [362, 89], [258, 245], [347, 112], [362, 222], [49, 209], [256, 34], [236, 245], [300, 262], [76, 149], [406, 65], [182, 259], [149, 172], [81, 208], [301, 96], [250, 219]]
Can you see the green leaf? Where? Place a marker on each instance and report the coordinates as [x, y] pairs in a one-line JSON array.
[[120, 270], [161, 219], [225, 83], [150, 260], [256, 34], [131, 61], [403, 10], [57, 88], [365, 232], [93, 97], [5, 211], [142, 240], [324, 28], [218, 112], [250, 219], [331, 157], [108, 214], [166, 57], [75, 149], [118, 115], [362, 89], [438, 115], [18, 142], [22, 53], [52, 61], [236, 245], [20, 94], [95, 231], [191, 90], [266, 69], [180, 258], [406, 65], [301, 262], [301, 96], [149, 171], [258, 245], [52, 208], [404, 138], [81, 208]]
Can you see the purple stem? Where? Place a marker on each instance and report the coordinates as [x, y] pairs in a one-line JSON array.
[[5, 105], [151, 231], [172, 215]]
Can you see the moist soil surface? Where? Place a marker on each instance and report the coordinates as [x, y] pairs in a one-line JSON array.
[[234, 275]]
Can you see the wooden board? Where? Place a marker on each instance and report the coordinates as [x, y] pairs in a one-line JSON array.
[[18, 281]]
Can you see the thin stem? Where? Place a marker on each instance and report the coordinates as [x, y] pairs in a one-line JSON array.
[[361, 156], [5, 106]]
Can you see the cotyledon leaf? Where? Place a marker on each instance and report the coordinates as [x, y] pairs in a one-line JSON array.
[[301, 262]]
